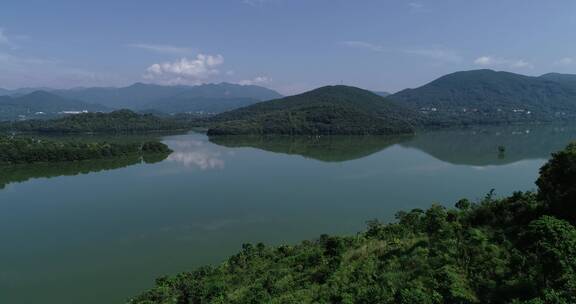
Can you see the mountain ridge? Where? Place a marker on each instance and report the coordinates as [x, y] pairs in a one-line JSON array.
[[327, 110], [491, 96], [42, 104]]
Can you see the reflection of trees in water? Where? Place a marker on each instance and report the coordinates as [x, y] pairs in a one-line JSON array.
[[478, 146], [495, 145], [22, 173], [323, 148]]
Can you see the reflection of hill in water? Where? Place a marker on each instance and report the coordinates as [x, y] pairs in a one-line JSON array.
[[22, 173], [323, 148], [479, 146]]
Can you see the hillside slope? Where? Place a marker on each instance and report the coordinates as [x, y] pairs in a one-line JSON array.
[[114, 122], [326, 110], [486, 96]]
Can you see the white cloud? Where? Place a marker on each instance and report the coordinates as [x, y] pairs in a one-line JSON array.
[[521, 64], [256, 81], [196, 154], [163, 48], [566, 61], [185, 71], [484, 60], [416, 5], [364, 45], [490, 61]]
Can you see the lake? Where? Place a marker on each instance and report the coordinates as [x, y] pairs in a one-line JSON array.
[[101, 231]]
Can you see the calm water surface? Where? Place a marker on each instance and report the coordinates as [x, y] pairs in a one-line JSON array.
[[99, 232]]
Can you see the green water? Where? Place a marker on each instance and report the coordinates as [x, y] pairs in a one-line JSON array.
[[98, 232]]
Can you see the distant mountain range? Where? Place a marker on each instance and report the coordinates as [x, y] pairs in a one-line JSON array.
[[382, 93], [487, 96], [140, 96], [467, 97], [327, 110], [41, 105], [26, 103]]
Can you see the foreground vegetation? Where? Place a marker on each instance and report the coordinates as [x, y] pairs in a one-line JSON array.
[[31, 150], [520, 249]]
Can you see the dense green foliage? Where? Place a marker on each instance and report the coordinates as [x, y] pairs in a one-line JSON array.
[[327, 110], [557, 183], [486, 96], [122, 121], [40, 105], [566, 79], [31, 150], [511, 250]]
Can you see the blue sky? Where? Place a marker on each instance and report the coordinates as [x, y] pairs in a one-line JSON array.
[[288, 45]]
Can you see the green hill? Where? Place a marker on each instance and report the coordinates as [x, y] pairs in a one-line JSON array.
[[327, 110], [122, 121], [41, 104], [486, 96], [567, 79], [14, 151]]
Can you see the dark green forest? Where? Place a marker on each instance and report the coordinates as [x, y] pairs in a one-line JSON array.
[[517, 250], [327, 110], [32, 150], [490, 97], [121, 121]]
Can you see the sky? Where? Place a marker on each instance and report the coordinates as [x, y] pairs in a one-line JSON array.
[[287, 45]]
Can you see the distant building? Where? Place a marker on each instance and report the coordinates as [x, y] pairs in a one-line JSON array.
[[73, 112]]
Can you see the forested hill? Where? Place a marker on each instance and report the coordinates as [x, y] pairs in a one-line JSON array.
[[114, 122], [326, 110], [41, 104], [487, 96], [567, 79], [15, 151], [515, 250]]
